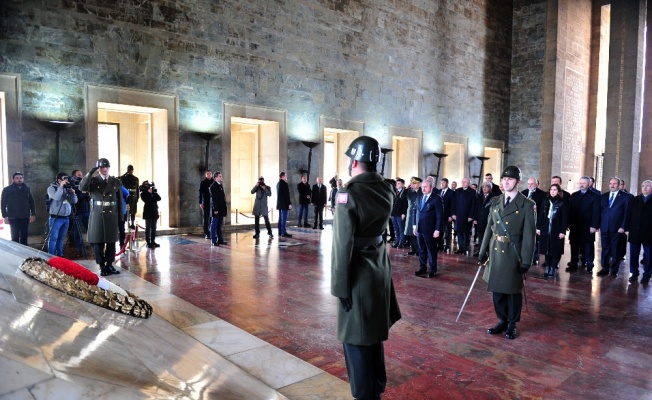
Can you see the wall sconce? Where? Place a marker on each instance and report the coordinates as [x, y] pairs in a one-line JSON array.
[[439, 157], [309, 145], [384, 151], [57, 127], [207, 137]]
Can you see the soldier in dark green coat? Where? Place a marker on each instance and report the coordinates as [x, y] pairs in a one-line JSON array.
[[106, 213], [508, 244], [361, 275]]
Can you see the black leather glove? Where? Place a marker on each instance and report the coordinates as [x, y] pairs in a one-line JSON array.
[[92, 171], [524, 268], [347, 303], [483, 258]]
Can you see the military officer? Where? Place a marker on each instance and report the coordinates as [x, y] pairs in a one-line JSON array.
[[130, 181], [106, 213], [361, 275], [508, 244]]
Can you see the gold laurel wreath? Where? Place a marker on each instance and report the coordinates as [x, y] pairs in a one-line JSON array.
[[39, 269]]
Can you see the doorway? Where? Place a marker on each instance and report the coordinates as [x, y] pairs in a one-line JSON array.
[[453, 165], [137, 136], [5, 179], [255, 152], [405, 161], [494, 165]]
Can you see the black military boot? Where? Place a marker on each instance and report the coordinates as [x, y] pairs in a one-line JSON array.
[[499, 328], [112, 270], [511, 331], [104, 271]]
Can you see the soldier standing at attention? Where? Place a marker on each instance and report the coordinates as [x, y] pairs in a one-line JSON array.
[[508, 244], [131, 183], [361, 274], [106, 214]]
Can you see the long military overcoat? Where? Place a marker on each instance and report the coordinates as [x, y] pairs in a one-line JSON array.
[[502, 273], [363, 273], [106, 207], [412, 196]]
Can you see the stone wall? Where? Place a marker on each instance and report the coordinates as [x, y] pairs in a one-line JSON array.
[[443, 67]]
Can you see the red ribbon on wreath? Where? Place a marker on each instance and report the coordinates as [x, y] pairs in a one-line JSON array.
[[73, 269]]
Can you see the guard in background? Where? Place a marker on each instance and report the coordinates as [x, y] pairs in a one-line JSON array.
[[131, 183], [508, 244], [361, 274], [106, 214]]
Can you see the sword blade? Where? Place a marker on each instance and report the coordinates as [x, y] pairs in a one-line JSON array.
[[468, 294]]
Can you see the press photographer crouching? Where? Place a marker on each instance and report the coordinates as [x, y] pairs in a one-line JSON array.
[[150, 196], [62, 197]]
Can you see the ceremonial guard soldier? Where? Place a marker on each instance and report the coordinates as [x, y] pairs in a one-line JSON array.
[[361, 274], [508, 244], [106, 214], [130, 181]]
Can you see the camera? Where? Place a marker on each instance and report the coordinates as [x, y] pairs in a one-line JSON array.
[[261, 181], [147, 185]]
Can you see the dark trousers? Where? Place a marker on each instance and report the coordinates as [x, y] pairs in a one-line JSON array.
[[552, 261], [150, 230], [206, 219], [448, 234], [319, 216], [634, 253], [122, 230], [267, 225], [303, 214], [104, 253], [535, 256], [365, 366], [216, 228], [622, 246], [610, 249], [588, 252], [427, 252], [463, 240], [414, 243], [19, 228], [508, 306]]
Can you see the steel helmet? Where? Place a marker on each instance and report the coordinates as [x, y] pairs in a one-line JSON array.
[[511, 171], [364, 149], [103, 162]]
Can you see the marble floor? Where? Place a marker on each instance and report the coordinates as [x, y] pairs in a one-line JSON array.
[[255, 320]]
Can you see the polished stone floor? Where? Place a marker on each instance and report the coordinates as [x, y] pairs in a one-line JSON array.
[[581, 337]]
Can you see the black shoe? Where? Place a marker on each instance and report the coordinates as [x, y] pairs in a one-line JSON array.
[[395, 246], [535, 262], [511, 331], [214, 244], [222, 242], [286, 235], [499, 328], [412, 253], [589, 270], [104, 271], [156, 244], [431, 274], [207, 236], [321, 227], [459, 252], [613, 273], [420, 272], [603, 272], [132, 226], [633, 278], [314, 227], [645, 279], [270, 236], [548, 271], [306, 225], [571, 264], [256, 236], [112, 270], [571, 269]]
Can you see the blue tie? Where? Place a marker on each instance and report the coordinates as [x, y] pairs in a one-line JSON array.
[[423, 203], [611, 199]]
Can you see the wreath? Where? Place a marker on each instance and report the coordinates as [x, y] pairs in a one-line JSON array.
[[77, 281]]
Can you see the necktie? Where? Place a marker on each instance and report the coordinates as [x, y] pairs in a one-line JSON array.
[[507, 201], [425, 199], [443, 192], [529, 196], [611, 199]]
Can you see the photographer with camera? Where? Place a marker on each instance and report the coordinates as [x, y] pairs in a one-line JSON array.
[[62, 197], [106, 214], [262, 192], [149, 195]]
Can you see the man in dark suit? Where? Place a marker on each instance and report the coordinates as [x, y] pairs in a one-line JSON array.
[[495, 189], [592, 186], [482, 215], [614, 204], [463, 213], [584, 221], [428, 212], [318, 198], [218, 207], [557, 179], [638, 227], [399, 210], [537, 195], [205, 203], [283, 204], [447, 196]]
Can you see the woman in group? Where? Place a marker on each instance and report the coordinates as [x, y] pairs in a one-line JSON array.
[[551, 228]]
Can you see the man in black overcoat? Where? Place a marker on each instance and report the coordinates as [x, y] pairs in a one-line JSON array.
[[463, 213], [584, 222], [537, 195]]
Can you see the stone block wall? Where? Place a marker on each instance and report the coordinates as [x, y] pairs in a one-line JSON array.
[[443, 67]]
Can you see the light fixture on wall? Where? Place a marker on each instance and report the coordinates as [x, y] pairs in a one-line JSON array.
[[384, 151], [309, 145], [439, 157], [482, 160], [207, 137], [58, 126]]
